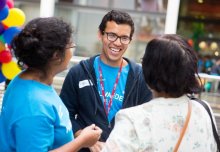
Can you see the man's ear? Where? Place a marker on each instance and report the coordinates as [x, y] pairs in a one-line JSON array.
[[99, 34]]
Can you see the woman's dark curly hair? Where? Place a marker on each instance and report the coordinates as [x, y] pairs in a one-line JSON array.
[[170, 66], [35, 45]]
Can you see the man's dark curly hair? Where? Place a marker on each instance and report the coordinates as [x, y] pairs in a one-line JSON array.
[[119, 17], [35, 45], [170, 66]]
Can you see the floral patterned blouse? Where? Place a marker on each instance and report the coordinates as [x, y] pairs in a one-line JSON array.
[[155, 127]]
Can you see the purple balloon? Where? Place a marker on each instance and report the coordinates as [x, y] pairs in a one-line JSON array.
[[2, 4], [9, 34], [1, 28], [4, 13]]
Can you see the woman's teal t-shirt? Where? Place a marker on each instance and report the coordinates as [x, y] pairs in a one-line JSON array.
[[33, 118]]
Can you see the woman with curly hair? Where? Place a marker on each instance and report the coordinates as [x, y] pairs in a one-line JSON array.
[[33, 117]]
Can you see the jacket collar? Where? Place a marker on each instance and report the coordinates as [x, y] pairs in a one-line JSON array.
[[134, 71]]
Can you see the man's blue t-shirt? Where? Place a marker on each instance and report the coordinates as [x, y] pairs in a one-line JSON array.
[[33, 118], [109, 77]]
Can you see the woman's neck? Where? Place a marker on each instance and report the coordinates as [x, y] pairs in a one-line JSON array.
[[37, 75], [160, 94]]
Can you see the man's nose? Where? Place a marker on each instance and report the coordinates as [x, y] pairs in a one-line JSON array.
[[118, 41]]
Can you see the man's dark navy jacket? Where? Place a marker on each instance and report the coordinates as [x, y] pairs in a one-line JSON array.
[[80, 95]]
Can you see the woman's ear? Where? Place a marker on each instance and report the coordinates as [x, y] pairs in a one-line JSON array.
[[56, 57]]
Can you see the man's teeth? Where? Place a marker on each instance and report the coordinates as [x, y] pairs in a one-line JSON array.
[[115, 50]]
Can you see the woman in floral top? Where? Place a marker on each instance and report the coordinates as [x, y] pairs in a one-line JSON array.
[[169, 67]]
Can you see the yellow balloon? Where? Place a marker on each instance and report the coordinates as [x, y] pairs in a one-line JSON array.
[[10, 70], [16, 17]]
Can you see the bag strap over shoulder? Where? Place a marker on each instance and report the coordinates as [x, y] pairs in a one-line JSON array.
[[184, 127], [215, 133]]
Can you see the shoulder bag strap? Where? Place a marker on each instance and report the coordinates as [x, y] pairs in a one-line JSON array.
[[213, 125], [184, 127]]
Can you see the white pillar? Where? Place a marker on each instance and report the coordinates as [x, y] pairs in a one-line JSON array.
[[47, 8], [172, 16]]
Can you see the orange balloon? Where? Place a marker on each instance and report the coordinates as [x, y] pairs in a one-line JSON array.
[[10, 70], [2, 46], [16, 17]]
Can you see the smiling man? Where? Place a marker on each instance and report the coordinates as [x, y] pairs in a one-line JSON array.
[[97, 88]]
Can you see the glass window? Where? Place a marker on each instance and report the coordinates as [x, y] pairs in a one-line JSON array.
[[31, 10], [96, 3], [86, 33], [85, 18], [151, 5], [123, 4]]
